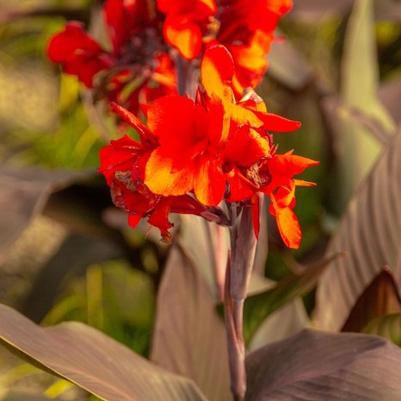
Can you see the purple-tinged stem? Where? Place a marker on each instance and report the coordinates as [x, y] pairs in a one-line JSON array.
[[239, 269]]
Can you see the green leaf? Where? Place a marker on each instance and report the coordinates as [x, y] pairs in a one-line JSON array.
[[369, 235], [259, 306], [318, 366], [93, 361], [388, 326]]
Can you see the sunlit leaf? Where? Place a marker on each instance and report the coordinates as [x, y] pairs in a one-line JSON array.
[[369, 235], [93, 361]]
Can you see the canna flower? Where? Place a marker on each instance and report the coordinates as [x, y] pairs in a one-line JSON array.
[[246, 28], [123, 162], [136, 68], [217, 151]]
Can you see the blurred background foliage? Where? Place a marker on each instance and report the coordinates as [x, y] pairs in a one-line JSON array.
[[72, 256]]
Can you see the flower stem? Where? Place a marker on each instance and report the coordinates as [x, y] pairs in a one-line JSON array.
[[239, 269]]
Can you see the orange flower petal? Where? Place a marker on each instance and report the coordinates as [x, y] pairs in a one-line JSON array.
[[163, 179], [217, 68], [185, 36], [209, 183], [303, 183], [289, 227]]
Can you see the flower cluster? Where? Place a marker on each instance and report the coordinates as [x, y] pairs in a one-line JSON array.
[[140, 67], [137, 68], [196, 156], [245, 27]]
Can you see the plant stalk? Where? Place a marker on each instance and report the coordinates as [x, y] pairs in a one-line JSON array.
[[239, 269]]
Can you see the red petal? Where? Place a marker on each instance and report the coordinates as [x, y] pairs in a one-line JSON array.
[[276, 123], [132, 120]]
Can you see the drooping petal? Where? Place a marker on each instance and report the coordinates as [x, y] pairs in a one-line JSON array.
[[159, 218], [209, 182], [163, 179], [289, 227]]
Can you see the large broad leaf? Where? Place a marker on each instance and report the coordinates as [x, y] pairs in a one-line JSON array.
[[23, 194], [359, 86], [260, 305], [317, 366], [93, 361], [369, 234], [189, 337]]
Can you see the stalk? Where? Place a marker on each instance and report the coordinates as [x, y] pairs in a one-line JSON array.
[[239, 269]]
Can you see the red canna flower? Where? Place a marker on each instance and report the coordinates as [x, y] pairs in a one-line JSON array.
[[78, 53], [218, 150], [245, 28], [122, 163], [135, 70]]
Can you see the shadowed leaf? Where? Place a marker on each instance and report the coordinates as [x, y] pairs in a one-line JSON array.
[[24, 193], [259, 306], [369, 235], [380, 298], [189, 337], [317, 366], [93, 361], [288, 66]]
